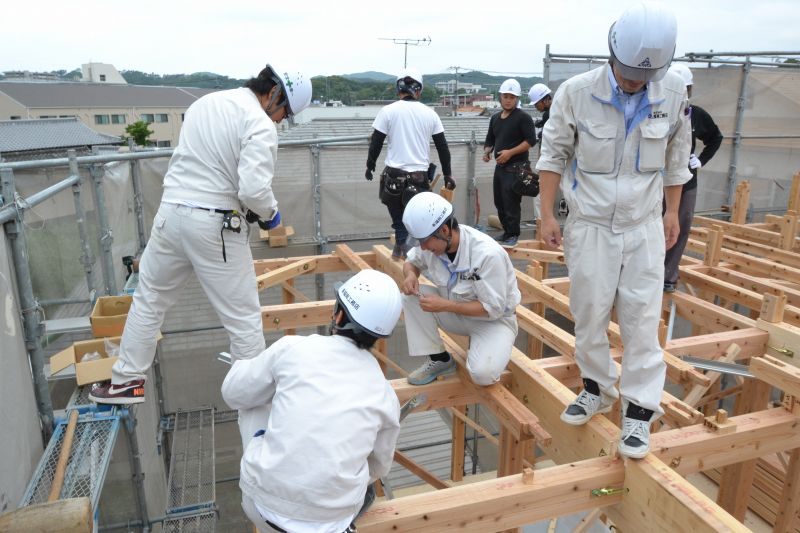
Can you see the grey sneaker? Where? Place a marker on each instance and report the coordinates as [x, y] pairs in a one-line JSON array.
[[585, 406], [669, 287], [430, 371], [635, 439], [509, 242]]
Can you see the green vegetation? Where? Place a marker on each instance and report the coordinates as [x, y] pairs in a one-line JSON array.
[[140, 132], [206, 80]]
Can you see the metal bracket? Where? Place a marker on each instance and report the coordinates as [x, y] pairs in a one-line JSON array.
[[609, 491], [783, 351]]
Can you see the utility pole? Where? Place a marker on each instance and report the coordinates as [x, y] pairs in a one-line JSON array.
[[455, 91], [405, 43]]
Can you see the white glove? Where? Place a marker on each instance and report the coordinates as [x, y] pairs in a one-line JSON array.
[[694, 162]]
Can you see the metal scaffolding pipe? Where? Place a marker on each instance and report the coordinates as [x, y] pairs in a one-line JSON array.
[[137, 478], [87, 259], [472, 186], [105, 237], [10, 212], [31, 317], [737, 133], [138, 203]]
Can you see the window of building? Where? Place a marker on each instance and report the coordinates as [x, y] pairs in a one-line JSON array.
[[16, 117], [102, 77], [118, 119], [183, 117], [148, 117], [67, 116], [162, 117], [48, 116], [163, 144], [101, 119]]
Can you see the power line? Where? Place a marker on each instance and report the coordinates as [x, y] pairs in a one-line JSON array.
[[405, 43]]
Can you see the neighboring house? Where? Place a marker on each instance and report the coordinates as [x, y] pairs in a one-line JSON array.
[[22, 140], [450, 86], [106, 107], [101, 73]]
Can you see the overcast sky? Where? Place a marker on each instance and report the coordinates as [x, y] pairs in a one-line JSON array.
[[236, 37]]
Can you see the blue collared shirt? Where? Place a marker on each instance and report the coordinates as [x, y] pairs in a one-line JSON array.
[[629, 102]]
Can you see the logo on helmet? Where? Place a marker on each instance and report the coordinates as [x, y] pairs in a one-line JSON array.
[[288, 82], [350, 299], [645, 63]]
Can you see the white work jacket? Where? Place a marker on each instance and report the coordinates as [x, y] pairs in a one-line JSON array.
[[481, 271], [613, 175], [225, 158], [331, 431]]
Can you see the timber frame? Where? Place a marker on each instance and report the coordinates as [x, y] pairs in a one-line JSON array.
[[739, 291]]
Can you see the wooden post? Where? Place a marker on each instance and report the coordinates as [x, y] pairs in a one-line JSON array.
[[457, 447], [380, 346], [288, 298], [741, 203], [737, 479], [788, 231], [535, 347], [772, 307], [713, 247], [794, 196]]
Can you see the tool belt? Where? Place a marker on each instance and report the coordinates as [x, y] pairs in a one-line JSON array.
[[399, 186], [526, 181]]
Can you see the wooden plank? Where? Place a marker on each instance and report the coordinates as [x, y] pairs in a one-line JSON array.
[[777, 373], [419, 470], [499, 504], [73, 515], [284, 273], [787, 519], [708, 315], [532, 254], [353, 261], [752, 342], [659, 499], [297, 315]]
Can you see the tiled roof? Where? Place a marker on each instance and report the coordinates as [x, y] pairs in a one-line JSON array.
[[94, 95], [44, 134]]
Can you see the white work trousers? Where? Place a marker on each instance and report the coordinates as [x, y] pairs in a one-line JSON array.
[[626, 269], [490, 341], [185, 239]]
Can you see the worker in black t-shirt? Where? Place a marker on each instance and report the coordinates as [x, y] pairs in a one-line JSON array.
[[703, 128], [511, 134]]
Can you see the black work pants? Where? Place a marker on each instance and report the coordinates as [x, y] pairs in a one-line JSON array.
[[672, 259], [507, 201]]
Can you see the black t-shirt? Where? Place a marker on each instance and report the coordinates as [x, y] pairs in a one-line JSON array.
[[505, 133]]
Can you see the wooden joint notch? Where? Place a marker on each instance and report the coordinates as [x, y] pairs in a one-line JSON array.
[[719, 423], [527, 476], [682, 413]]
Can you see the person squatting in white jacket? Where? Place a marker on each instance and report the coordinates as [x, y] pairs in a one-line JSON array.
[[618, 141], [475, 293], [222, 167], [334, 419]]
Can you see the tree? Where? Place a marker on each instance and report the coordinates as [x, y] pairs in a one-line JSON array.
[[140, 132]]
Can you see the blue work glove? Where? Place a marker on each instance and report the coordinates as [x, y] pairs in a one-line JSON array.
[[368, 175], [269, 224]]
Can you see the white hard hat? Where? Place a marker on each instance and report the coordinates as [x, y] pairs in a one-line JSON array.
[[296, 87], [683, 71], [412, 73], [538, 91], [642, 41], [511, 86], [371, 301], [425, 213]]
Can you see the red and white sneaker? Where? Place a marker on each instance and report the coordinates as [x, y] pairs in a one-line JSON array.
[[127, 393]]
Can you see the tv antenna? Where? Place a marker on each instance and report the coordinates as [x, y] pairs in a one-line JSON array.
[[405, 43]]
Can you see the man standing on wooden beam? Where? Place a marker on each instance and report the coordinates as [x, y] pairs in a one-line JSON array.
[[219, 177], [476, 293], [333, 419], [618, 142]]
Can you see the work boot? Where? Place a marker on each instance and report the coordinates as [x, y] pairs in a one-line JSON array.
[[635, 439], [669, 287], [430, 371], [586, 405], [510, 241], [125, 394], [398, 252]]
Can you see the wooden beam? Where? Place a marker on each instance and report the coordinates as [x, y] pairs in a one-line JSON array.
[[447, 392], [325, 263], [297, 315], [784, 341], [419, 471], [787, 519], [457, 445], [777, 373], [794, 195], [752, 342], [499, 504], [284, 273], [353, 261], [531, 254], [659, 499], [708, 315]]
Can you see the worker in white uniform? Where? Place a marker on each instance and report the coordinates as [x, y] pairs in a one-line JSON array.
[[475, 293], [409, 125], [219, 178], [333, 421], [618, 142]]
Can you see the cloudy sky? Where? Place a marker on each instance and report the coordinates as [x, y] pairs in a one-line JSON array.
[[236, 37]]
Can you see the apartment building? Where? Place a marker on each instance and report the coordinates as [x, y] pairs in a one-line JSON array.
[[105, 107]]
